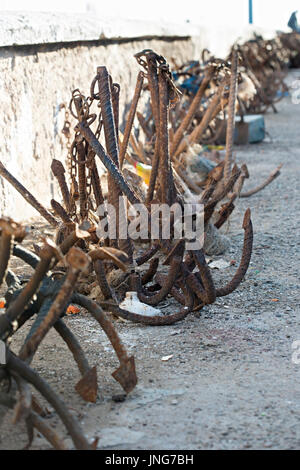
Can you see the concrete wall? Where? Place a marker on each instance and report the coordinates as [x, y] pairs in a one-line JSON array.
[[44, 57]]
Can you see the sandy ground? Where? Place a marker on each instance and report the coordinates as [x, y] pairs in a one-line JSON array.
[[231, 382]]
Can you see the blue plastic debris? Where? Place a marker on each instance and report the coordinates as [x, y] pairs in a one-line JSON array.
[[293, 22], [201, 165], [190, 85], [256, 128], [280, 93]]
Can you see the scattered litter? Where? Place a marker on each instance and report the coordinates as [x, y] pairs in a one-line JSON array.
[[144, 171], [167, 358], [177, 332], [195, 163], [219, 264], [132, 304], [72, 310]]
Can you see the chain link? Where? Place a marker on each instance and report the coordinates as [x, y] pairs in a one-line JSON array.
[[79, 108]]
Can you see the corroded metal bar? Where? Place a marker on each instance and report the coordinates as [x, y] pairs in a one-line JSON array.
[[15, 309], [29, 257], [209, 295], [152, 77], [39, 423], [105, 97], [165, 178], [154, 171], [177, 256], [77, 261], [269, 180], [151, 59], [147, 255], [35, 420], [108, 163], [245, 259], [81, 155], [59, 173], [131, 115], [115, 96], [225, 212], [96, 185], [213, 178], [28, 374], [27, 195], [118, 257], [221, 193], [125, 374], [185, 123], [6, 241], [207, 117], [73, 345], [138, 149], [240, 182], [144, 125], [150, 273], [102, 280], [231, 115], [104, 322], [60, 211]]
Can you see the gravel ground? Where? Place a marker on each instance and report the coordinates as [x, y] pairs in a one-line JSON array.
[[231, 382]]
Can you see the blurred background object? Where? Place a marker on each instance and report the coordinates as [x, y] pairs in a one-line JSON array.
[[293, 22]]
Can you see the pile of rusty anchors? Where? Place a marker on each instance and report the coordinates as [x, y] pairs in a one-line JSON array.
[[265, 62], [192, 290], [47, 297], [196, 119]]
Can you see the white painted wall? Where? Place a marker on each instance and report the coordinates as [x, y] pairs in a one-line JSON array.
[[266, 13]]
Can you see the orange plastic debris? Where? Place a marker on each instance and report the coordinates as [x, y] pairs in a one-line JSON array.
[[2, 303], [72, 310]]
